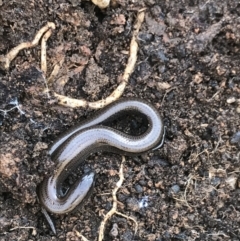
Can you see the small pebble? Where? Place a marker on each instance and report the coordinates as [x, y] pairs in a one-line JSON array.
[[235, 138], [163, 85], [127, 236], [34, 232], [143, 182], [215, 181], [191, 217], [232, 181], [151, 237], [138, 188], [146, 37], [231, 100], [181, 236], [101, 3], [238, 109], [114, 230], [175, 189]]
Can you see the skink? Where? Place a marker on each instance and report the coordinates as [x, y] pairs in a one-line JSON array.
[[91, 136]]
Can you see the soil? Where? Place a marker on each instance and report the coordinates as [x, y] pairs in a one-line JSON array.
[[188, 67]]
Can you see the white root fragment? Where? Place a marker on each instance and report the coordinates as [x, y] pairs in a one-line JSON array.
[[70, 102], [6, 60], [74, 103], [101, 3], [44, 51], [81, 236], [114, 205]]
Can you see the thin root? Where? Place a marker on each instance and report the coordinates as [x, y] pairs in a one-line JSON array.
[[81, 236], [6, 60], [114, 206], [19, 227], [44, 52]]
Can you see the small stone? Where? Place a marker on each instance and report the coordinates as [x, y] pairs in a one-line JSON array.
[[151, 237], [114, 230], [163, 85], [215, 181], [238, 109], [127, 236], [143, 182], [235, 138], [231, 100], [191, 217], [138, 188], [232, 181], [147, 37], [175, 189], [101, 3], [198, 78], [34, 232], [174, 215], [181, 236]]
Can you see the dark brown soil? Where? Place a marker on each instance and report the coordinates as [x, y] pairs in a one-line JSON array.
[[188, 67]]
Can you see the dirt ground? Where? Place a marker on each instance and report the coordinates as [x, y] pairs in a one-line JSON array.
[[188, 67]]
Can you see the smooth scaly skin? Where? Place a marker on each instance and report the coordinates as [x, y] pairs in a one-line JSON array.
[[92, 136]]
